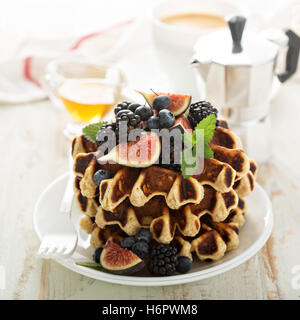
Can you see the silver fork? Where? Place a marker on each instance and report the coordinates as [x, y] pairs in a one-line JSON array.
[[61, 240]]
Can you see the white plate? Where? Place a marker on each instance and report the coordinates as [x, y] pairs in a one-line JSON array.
[[253, 235]]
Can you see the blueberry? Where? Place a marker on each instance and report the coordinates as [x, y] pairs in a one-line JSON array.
[[96, 255], [124, 112], [145, 112], [101, 175], [166, 118], [184, 264], [132, 107], [141, 249], [143, 235], [128, 242], [161, 102], [153, 123]]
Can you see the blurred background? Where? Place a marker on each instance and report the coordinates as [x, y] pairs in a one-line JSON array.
[[120, 34]]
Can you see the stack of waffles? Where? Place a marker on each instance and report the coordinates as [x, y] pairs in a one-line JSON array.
[[201, 214]]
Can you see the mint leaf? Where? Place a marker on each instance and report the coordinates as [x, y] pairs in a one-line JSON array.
[[188, 139], [208, 124], [92, 265], [188, 163], [91, 130], [208, 153]]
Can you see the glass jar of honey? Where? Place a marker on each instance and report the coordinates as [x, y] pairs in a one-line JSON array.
[[85, 89]]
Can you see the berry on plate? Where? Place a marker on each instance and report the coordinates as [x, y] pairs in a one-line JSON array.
[[121, 106], [143, 235], [96, 255], [184, 264], [141, 249], [200, 110], [133, 106], [166, 118], [145, 112], [153, 122], [161, 102], [101, 175], [128, 242], [163, 259]]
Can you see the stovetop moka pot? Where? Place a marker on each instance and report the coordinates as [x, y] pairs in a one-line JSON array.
[[238, 69]]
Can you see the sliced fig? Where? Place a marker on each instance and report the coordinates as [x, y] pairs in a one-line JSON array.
[[119, 260], [183, 123], [179, 102], [141, 153]]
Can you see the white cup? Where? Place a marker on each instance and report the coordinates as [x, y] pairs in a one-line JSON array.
[[174, 44]]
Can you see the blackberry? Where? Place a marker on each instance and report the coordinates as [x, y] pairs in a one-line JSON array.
[[122, 106], [123, 112], [124, 115], [200, 110], [135, 121], [131, 120], [163, 260], [105, 130]]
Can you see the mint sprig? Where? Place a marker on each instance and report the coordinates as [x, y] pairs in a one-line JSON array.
[[208, 126], [91, 265], [90, 131], [188, 164]]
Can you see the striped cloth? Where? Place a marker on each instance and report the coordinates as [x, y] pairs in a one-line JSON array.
[[20, 78]]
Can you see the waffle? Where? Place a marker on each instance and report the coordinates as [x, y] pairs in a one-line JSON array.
[[81, 145], [87, 205], [200, 214], [100, 236], [215, 238], [141, 186], [156, 215], [164, 221]]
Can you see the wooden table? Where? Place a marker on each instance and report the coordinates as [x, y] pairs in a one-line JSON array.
[[34, 152]]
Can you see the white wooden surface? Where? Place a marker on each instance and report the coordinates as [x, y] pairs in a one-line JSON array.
[[34, 152]]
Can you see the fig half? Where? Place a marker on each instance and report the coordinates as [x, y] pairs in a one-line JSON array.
[[141, 153], [183, 124], [179, 102], [119, 260]]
